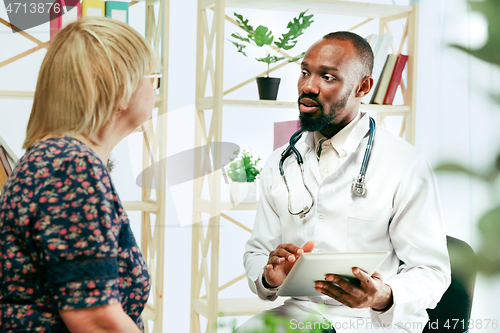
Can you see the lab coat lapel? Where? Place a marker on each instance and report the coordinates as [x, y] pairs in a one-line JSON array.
[[310, 157], [357, 134], [354, 139]]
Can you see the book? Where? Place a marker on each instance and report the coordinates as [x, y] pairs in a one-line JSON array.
[[4, 161], [395, 79], [93, 8], [117, 10], [10, 153], [373, 40], [384, 79], [3, 177], [380, 45], [283, 130]]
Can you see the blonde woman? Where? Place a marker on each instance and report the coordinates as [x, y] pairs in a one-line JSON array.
[[68, 259]]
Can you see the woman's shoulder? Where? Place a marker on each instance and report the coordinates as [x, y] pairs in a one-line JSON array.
[[60, 152], [56, 158]]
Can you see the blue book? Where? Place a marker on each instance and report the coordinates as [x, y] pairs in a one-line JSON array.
[[117, 10]]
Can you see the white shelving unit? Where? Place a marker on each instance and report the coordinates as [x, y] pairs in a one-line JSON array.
[[210, 66]]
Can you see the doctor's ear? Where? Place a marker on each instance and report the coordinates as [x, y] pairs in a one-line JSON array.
[[365, 86]]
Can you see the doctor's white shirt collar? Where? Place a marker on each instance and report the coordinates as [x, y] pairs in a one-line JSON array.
[[338, 141]]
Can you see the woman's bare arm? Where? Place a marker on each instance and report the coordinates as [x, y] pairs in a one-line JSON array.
[[103, 318]]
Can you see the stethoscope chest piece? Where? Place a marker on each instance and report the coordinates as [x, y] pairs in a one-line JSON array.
[[358, 186], [304, 211]]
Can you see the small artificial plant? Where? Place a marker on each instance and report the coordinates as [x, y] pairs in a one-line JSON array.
[[111, 163], [263, 36], [244, 169]]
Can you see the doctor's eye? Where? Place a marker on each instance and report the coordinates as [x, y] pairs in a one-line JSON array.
[[329, 77], [303, 73]]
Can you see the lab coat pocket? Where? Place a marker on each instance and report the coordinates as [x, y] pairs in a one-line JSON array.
[[368, 228]]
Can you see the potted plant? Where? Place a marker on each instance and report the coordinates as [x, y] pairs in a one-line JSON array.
[[243, 173], [261, 36]]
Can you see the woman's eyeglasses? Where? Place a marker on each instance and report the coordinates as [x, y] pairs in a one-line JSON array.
[[155, 79]]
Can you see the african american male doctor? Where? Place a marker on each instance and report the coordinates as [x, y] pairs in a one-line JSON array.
[[399, 211]]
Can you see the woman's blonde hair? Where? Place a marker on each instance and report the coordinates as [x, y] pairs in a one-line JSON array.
[[92, 66]]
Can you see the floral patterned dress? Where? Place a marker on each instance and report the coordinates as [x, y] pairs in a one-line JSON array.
[[65, 240]]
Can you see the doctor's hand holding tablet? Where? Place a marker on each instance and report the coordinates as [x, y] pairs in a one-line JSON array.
[[281, 261], [361, 291]]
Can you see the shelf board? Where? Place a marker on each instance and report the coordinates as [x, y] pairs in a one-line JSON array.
[[238, 306], [385, 108], [142, 206], [261, 103], [203, 205], [17, 94], [332, 7], [31, 94], [293, 105]]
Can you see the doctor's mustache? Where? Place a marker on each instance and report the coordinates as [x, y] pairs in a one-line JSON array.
[[312, 98]]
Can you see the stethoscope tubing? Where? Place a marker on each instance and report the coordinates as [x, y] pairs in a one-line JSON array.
[[368, 149], [358, 186]]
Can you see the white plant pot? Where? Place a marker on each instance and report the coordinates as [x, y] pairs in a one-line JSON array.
[[243, 192]]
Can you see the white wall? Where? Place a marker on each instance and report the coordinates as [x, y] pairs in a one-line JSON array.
[[455, 121]]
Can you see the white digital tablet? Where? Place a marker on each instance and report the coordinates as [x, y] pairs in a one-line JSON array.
[[312, 267]]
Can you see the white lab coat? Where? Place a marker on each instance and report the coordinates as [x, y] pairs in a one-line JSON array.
[[400, 213]]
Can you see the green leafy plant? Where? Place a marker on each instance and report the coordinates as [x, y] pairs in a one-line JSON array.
[[487, 258], [262, 36], [244, 169]]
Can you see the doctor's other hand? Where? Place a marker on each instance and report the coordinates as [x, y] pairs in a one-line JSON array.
[[368, 292], [281, 262]]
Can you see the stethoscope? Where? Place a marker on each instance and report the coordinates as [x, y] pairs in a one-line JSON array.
[[358, 184]]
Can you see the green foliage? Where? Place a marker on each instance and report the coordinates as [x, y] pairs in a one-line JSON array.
[[296, 28], [489, 52], [111, 163], [243, 169], [487, 260], [274, 323], [488, 256], [269, 59], [299, 57], [244, 24], [262, 36], [231, 324], [456, 168], [240, 47]]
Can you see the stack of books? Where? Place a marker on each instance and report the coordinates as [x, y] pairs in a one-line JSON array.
[[387, 71]]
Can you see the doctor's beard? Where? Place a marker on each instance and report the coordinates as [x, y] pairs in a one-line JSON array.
[[310, 124]]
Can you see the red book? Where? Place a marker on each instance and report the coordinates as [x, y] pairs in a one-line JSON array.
[[4, 161], [395, 79]]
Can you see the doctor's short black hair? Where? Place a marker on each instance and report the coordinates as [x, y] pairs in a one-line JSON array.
[[360, 44]]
